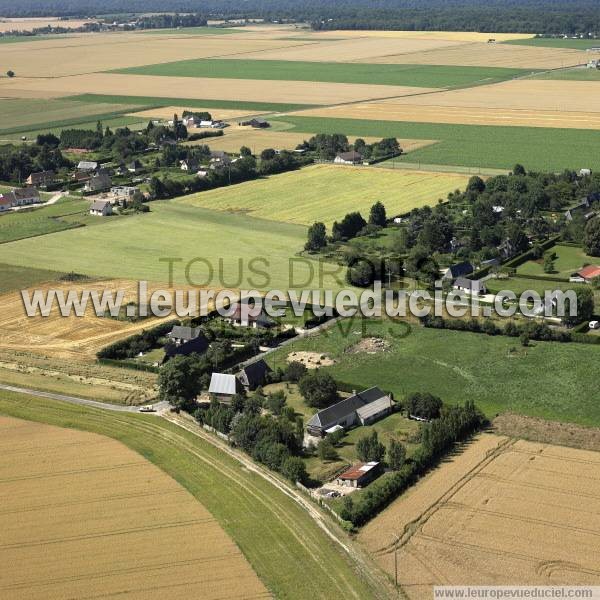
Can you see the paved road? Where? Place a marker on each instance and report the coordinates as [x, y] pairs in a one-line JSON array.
[[76, 400]]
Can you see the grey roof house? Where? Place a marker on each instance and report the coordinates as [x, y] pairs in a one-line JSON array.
[[346, 412], [459, 270], [180, 333], [224, 387], [475, 287], [196, 345], [254, 374]]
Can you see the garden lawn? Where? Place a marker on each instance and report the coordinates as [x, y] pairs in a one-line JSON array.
[[548, 380], [569, 260], [474, 145], [428, 76], [327, 192]]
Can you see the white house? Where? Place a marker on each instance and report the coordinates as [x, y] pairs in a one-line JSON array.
[[348, 158], [101, 208]]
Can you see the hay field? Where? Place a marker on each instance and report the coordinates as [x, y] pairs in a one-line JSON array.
[[489, 55], [296, 92], [390, 110], [504, 512], [456, 36], [83, 515], [105, 51], [327, 192]]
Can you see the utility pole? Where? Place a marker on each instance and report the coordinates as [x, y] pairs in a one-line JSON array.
[[396, 559]]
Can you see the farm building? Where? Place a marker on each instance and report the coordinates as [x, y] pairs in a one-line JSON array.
[[196, 345], [87, 165], [181, 334], [346, 412], [224, 387], [458, 270], [101, 208], [191, 165], [582, 209], [256, 123], [473, 287], [588, 273], [42, 178], [348, 158], [360, 475], [254, 374]]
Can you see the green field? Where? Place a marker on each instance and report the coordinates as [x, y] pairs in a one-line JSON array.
[[65, 214], [18, 278], [132, 247], [20, 116], [569, 259], [429, 76], [288, 551], [556, 43], [576, 74], [542, 380], [326, 193], [151, 101], [474, 145]]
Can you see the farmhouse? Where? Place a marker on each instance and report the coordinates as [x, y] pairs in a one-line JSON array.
[[98, 183], [581, 210], [195, 345], [20, 197], [101, 208], [348, 158], [345, 413], [588, 273], [458, 270], [473, 287], [190, 164], [254, 374], [181, 334], [360, 475], [42, 178], [224, 387]]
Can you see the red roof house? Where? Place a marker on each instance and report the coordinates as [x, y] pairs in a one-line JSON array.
[[588, 273]]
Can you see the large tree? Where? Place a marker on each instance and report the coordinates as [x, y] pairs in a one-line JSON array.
[[591, 237], [377, 216], [179, 381], [317, 237], [319, 389]]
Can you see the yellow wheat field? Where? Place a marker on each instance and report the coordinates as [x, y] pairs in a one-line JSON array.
[[456, 36], [167, 112], [83, 516], [503, 512], [302, 92], [489, 55], [30, 24]]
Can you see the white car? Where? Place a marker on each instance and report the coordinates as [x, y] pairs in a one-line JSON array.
[[147, 408], [594, 325]]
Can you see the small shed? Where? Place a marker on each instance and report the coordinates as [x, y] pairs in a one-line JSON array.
[[360, 475], [224, 387]]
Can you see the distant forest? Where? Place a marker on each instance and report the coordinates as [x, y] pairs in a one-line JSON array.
[[548, 17]]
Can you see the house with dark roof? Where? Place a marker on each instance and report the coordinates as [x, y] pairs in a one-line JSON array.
[[98, 183], [345, 413], [181, 334], [41, 178], [257, 123], [473, 287], [348, 158], [581, 210], [244, 315], [459, 270], [197, 345], [101, 208], [254, 374], [20, 197]]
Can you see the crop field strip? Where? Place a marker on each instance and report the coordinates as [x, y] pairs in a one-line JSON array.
[[260, 518], [316, 193], [475, 505], [473, 145], [423, 76], [147, 535]]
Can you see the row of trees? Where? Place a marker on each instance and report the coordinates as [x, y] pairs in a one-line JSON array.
[[18, 162], [327, 145]]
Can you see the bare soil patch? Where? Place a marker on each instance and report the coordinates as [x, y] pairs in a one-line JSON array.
[[311, 360], [372, 345]]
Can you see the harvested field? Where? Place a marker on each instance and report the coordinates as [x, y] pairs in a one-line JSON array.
[[124, 528], [394, 111], [73, 56], [456, 36], [327, 192], [311, 360], [492, 516], [488, 55], [296, 92], [68, 338], [31, 24], [167, 112]]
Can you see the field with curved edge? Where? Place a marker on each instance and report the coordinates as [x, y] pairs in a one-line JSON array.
[[500, 512], [293, 557], [326, 193], [83, 515]]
